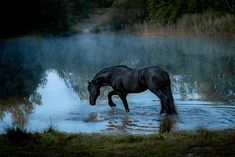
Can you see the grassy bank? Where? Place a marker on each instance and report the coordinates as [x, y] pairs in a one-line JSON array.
[[206, 24], [173, 17], [16, 142]]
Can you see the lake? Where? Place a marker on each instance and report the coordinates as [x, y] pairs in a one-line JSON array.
[[44, 83]]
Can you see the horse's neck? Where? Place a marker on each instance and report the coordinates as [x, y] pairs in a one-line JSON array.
[[102, 80]]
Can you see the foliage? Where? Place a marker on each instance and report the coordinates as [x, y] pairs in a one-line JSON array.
[[57, 16], [17, 16], [170, 10], [47, 16], [16, 134], [81, 8], [127, 12], [102, 3], [207, 23], [20, 73]]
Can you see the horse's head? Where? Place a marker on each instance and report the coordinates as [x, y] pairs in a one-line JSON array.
[[94, 92]]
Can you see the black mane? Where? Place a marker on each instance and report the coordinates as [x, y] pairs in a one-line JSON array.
[[108, 69]]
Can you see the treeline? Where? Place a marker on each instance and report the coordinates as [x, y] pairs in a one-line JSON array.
[[56, 16], [47, 16], [127, 12], [171, 10], [20, 72]]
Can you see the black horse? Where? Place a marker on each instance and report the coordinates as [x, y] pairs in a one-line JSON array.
[[126, 80]]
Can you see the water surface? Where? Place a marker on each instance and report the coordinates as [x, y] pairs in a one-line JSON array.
[[44, 82]]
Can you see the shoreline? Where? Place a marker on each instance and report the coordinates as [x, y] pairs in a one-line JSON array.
[[200, 142]]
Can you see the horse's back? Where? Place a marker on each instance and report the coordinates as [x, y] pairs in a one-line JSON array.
[[138, 80], [155, 76], [155, 70], [151, 71]]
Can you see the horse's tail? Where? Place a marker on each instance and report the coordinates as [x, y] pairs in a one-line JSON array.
[[168, 92]]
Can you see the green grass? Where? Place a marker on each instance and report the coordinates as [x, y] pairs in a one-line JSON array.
[[53, 143]]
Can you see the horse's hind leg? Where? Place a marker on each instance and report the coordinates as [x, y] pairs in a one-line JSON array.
[[167, 91], [124, 101], [164, 100], [163, 110], [110, 101], [162, 107]]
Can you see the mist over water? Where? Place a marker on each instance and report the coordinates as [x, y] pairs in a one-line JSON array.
[[44, 82]]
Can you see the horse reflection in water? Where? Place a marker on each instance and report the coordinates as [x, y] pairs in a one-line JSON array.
[[166, 124], [126, 125], [125, 80]]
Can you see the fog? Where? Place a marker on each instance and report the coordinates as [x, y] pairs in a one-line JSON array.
[[44, 80]]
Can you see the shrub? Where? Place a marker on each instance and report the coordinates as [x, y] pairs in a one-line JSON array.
[[127, 12], [102, 3], [16, 134]]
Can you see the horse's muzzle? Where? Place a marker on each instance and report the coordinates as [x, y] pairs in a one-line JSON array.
[[92, 103]]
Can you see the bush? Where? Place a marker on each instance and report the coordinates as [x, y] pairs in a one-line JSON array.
[[20, 73], [17, 134], [55, 15], [208, 22], [82, 8], [17, 16], [49, 16], [102, 3], [128, 12], [170, 10]]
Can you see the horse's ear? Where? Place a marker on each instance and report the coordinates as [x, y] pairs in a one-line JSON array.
[[89, 82]]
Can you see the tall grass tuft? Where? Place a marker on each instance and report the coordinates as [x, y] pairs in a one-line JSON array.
[[17, 134], [51, 128], [208, 23]]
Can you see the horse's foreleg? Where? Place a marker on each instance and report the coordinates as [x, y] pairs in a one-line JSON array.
[[110, 101], [124, 101]]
